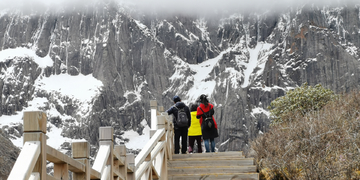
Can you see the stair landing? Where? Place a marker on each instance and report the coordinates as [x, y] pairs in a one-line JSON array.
[[207, 166]]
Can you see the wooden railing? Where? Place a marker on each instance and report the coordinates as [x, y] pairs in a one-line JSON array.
[[151, 162], [111, 162]]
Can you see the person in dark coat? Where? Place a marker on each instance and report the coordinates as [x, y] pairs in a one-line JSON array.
[[209, 134], [180, 131]]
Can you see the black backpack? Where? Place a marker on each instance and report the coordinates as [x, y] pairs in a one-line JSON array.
[[208, 122], [182, 119]]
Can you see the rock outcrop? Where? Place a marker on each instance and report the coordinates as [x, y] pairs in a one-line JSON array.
[[8, 156]]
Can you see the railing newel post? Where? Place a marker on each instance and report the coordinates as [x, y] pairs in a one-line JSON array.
[[81, 152], [106, 137], [35, 130], [130, 161], [61, 171], [161, 123], [153, 110], [161, 109], [121, 168]]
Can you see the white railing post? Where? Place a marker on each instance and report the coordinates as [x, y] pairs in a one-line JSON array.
[[120, 164], [160, 124], [169, 127], [160, 162], [161, 109], [35, 130], [153, 110], [130, 160], [106, 138], [151, 162], [81, 152]]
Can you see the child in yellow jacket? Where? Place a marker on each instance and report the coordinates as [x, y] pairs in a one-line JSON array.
[[194, 132]]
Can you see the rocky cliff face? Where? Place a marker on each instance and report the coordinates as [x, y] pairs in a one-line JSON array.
[[138, 57], [8, 156]]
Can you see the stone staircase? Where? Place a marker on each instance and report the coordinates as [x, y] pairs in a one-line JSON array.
[[207, 166]]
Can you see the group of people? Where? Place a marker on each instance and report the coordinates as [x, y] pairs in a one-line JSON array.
[[201, 125]]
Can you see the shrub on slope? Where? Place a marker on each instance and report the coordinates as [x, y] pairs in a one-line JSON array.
[[299, 101], [322, 144]]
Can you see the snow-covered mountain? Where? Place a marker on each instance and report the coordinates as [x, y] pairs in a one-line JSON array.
[[101, 64]]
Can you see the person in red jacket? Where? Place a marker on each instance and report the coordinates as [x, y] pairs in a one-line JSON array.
[[205, 110]]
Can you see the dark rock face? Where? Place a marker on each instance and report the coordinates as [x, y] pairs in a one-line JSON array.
[[16, 86], [135, 56], [8, 156]]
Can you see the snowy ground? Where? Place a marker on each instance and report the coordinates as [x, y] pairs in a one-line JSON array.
[[204, 86]]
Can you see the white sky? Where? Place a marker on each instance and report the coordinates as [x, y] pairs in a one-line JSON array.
[[184, 6]]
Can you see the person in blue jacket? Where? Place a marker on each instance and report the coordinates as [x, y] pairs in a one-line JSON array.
[[180, 131]]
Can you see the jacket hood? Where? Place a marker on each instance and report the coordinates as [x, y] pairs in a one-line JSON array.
[[206, 108], [180, 105]]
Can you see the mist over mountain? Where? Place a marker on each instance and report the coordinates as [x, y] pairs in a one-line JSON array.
[[242, 59]]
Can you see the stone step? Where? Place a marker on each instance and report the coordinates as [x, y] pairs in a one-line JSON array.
[[234, 154], [208, 166], [225, 176], [207, 162], [211, 169]]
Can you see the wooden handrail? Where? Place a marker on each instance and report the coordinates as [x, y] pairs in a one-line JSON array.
[[151, 162], [48, 177], [28, 156], [146, 151], [101, 159], [94, 174], [34, 176], [142, 167], [111, 162], [106, 172], [31, 163], [58, 157]]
